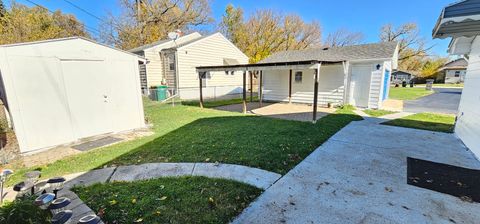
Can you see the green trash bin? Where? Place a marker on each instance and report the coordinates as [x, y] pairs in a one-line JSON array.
[[161, 93]]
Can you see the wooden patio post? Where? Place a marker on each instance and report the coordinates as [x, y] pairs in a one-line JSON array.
[[260, 88], [251, 87], [201, 88], [245, 92], [315, 94], [290, 87]]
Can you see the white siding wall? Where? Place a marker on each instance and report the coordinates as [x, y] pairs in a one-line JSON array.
[[468, 124], [155, 67], [330, 85], [450, 76], [209, 51], [46, 112]]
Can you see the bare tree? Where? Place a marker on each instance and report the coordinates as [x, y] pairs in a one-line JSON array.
[[145, 21], [344, 37], [411, 44]]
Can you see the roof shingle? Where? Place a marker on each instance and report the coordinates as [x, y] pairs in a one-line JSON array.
[[335, 54]]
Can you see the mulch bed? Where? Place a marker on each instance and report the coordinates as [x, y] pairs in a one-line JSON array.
[[453, 180]]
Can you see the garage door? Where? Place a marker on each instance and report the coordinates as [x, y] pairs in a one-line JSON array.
[[87, 89], [360, 85]]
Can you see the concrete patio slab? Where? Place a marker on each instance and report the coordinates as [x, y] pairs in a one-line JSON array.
[[152, 170], [359, 176], [255, 177], [296, 112]]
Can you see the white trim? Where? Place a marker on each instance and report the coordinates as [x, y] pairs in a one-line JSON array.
[[170, 41]]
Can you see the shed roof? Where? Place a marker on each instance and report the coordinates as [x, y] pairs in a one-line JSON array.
[[381, 50], [70, 38], [458, 19]]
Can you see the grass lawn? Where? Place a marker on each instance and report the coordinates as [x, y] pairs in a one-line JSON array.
[[217, 103], [378, 113], [191, 134], [408, 93], [169, 200], [426, 121]]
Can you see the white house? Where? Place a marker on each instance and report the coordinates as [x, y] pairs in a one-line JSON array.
[[455, 71], [60, 91], [461, 22], [362, 70], [357, 75], [173, 63]]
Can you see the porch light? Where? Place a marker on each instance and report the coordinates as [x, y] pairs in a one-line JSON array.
[[3, 178], [63, 217], [44, 200], [23, 187], [378, 66], [89, 219], [59, 205], [56, 184]]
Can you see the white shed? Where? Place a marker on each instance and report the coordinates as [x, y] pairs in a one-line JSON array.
[[60, 91]]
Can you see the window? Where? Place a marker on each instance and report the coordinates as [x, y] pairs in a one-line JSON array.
[[457, 73], [298, 77], [171, 62]]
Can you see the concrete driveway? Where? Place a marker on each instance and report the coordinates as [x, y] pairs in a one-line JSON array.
[[444, 100], [359, 176]]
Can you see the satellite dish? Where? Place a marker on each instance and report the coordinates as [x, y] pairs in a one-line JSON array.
[[173, 35]]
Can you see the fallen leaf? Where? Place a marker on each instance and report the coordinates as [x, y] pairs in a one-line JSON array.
[[139, 220], [163, 198], [134, 201], [113, 202]]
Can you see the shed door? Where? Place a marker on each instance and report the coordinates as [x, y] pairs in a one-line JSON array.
[[87, 90], [360, 85]]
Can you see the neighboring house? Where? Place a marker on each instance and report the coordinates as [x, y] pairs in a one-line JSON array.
[[400, 76], [63, 90], [453, 71], [173, 63], [357, 75], [461, 22]]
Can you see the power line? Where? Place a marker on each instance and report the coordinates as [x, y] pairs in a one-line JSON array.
[[83, 10], [88, 28]]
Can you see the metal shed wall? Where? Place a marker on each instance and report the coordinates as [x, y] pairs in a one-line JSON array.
[[64, 90]]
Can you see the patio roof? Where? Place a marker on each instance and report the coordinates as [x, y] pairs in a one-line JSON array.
[[267, 66]]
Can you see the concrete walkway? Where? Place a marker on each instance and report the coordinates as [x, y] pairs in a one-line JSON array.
[[252, 176], [359, 176]]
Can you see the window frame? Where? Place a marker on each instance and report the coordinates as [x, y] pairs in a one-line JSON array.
[[300, 73]]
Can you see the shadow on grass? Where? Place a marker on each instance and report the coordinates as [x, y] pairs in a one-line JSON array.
[[270, 144], [424, 125]]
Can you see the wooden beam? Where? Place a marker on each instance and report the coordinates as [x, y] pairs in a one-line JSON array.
[[260, 88], [245, 92], [315, 93], [290, 87], [201, 88], [251, 87]]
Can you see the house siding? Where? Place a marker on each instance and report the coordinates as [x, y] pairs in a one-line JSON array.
[[206, 52], [468, 123], [330, 85]]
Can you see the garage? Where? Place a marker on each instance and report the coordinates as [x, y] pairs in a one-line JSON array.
[[63, 90]]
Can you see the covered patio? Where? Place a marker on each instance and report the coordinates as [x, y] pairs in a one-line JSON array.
[[287, 110]]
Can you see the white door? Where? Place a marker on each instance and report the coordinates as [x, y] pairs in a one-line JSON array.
[[86, 86], [360, 85]]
